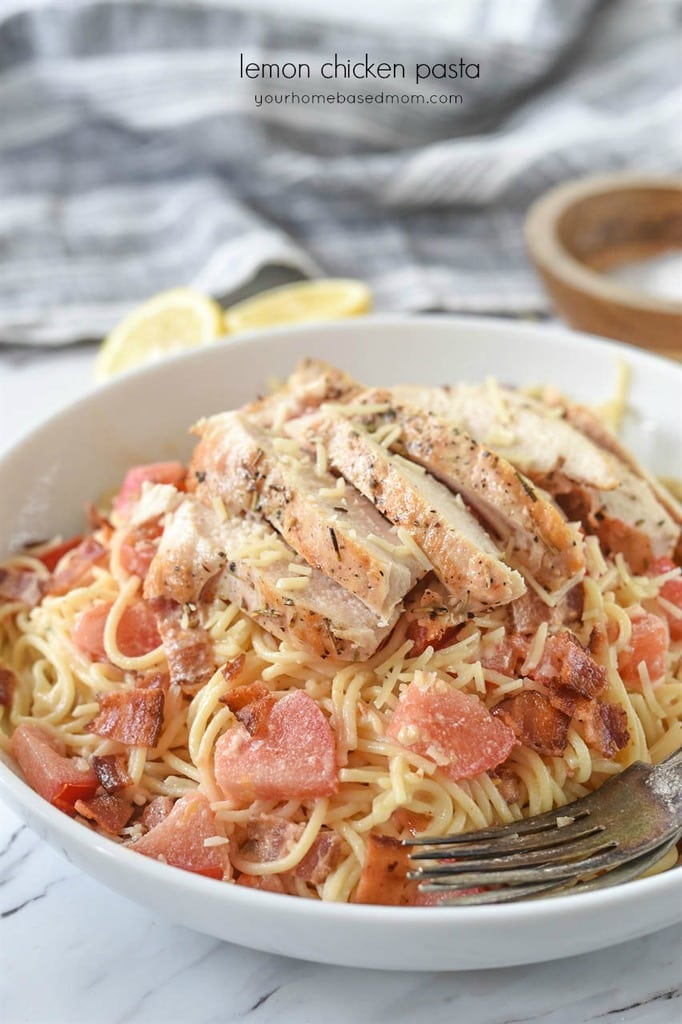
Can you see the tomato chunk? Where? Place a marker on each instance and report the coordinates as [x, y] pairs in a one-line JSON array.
[[137, 632], [672, 592], [293, 756], [154, 473], [48, 771], [179, 839], [454, 729], [648, 643]]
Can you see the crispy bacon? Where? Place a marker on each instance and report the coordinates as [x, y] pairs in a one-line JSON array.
[[8, 684], [232, 669], [268, 838], [139, 547], [266, 883], [109, 812], [50, 557], [156, 810], [77, 567], [428, 632], [605, 725], [131, 717], [251, 705], [535, 722], [321, 859], [508, 784], [111, 771], [21, 585], [188, 647], [384, 878], [565, 662], [529, 611]]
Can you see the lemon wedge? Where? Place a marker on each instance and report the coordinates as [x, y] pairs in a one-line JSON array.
[[170, 322], [304, 301]]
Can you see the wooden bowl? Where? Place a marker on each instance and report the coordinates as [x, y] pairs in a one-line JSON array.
[[578, 230]]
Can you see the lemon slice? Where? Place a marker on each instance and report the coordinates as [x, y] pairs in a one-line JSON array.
[[326, 299], [169, 322]]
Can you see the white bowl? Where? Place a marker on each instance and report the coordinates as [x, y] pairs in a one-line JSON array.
[[46, 480]]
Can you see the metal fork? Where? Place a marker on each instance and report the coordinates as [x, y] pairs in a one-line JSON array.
[[611, 836]]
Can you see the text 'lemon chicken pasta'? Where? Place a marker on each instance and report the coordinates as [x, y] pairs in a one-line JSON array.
[[357, 616]]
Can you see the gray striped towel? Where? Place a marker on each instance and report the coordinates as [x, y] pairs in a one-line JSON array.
[[133, 156]]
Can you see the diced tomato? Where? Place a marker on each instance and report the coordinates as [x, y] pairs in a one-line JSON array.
[[648, 643], [155, 473], [52, 556], [672, 592], [179, 839], [48, 771], [292, 758], [137, 633], [452, 728]]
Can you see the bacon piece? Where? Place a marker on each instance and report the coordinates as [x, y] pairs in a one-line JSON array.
[[529, 611], [179, 839], [671, 591], [508, 784], [430, 633], [51, 556], [604, 725], [266, 883], [251, 705], [96, 521], [535, 722], [153, 681], [188, 648], [47, 770], [131, 717], [111, 771], [648, 644], [156, 811], [268, 838], [384, 878], [8, 684], [451, 728], [77, 567], [21, 585], [109, 812], [154, 473], [565, 662], [507, 656], [137, 550], [321, 859], [295, 759], [232, 669]]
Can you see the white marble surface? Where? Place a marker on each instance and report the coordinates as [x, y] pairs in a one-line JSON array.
[[71, 952]]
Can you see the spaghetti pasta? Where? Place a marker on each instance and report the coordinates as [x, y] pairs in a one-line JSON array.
[[382, 786]]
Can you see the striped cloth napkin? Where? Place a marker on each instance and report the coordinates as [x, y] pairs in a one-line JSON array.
[[133, 156]]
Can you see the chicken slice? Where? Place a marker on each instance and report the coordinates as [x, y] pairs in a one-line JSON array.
[[520, 429], [244, 560], [330, 525], [534, 531], [584, 420], [312, 383], [462, 554], [589, 482]]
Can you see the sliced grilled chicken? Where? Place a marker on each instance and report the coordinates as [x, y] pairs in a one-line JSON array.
[[520, 429], [590, 483], [242, 559], [462, 554], [628, 520], [335, 529], [584, 420], [534, 531], [312, 383]]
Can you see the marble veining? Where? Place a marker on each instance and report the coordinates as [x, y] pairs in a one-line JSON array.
[[72, 952]]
